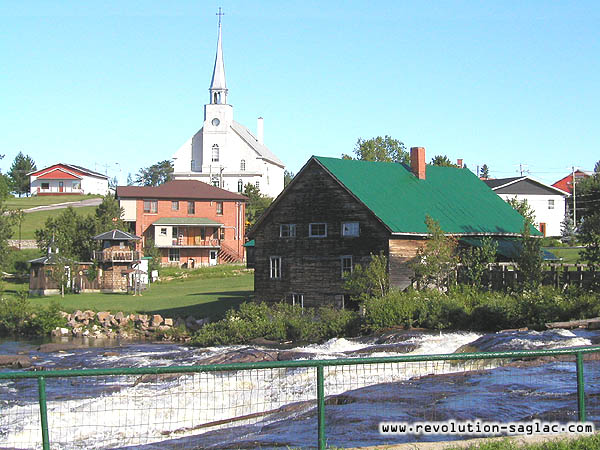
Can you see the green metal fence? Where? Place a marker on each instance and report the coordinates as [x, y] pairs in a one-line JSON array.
[[268, 377]]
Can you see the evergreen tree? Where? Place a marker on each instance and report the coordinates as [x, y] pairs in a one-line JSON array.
[[287, 177], [256, 205], [530, 259], [7, 221], [129, 180], [109, 215], [19, 180], [484, 172], [567, 230]]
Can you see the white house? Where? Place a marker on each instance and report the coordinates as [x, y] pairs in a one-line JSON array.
[[63, 179], [225, 153], [547, 202]]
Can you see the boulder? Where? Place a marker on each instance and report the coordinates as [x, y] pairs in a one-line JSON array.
[[244, 355], [78, 315], [102, 316], [58, 347], [157, 320], [15, 361], [169, 322], [179, 322], [89, 314]]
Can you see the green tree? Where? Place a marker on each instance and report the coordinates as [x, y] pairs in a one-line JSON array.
[[589, 234], [156, 174], [384, 149], [567, 230], [287, 177], [7, 221], [484, 172], [72, 234], [4, 186], [476, 261], [523, 208], [436, 260], [597, 167], [109, 215], [587, 196], [530, 259], [369, 281], [153, 252], [443, 161], [256, 205], [113, 183], [129, 179], [19, 180]]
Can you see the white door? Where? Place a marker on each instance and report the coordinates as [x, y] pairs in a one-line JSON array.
[[212, 258]]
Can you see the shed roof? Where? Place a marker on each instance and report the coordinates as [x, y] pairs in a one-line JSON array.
[[179, 189], [116, 235], [456, 198]]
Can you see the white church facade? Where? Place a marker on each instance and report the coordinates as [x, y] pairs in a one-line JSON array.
[[225, 153]]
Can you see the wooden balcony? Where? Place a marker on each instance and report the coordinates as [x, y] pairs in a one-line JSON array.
[[116, 255]]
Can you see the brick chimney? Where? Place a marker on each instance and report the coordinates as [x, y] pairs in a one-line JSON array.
[[417, 162]]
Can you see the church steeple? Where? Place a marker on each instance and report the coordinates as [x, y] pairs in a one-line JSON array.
[[218, 86]]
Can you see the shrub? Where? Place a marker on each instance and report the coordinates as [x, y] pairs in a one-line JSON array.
[[279, 322]]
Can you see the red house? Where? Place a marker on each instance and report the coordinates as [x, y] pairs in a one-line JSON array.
[[566, 183], [64, 179], [191, 222]]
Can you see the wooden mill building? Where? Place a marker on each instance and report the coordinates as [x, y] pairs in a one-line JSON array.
[[336, 213]]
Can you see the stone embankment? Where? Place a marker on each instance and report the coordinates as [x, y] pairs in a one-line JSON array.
[[105, 325]]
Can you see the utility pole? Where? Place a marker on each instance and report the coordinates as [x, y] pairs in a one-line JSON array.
[[574, 201]]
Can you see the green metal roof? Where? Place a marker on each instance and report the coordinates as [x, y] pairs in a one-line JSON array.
[[250, 243], [456, 198], [185, 221]]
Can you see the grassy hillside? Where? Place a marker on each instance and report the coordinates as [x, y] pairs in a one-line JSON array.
[[43, 200], [33, 221]]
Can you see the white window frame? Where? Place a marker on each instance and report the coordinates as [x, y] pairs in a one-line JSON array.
[[219, 208], [163, 231], [174, 255], [287, 230], [275, 267], [240, 186], [297, 299], [310, 230], [174, 205], [152, 206], [550, 203], [243, 165], [342, 260], [350, 229]]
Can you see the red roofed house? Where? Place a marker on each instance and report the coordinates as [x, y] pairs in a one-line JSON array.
[[191, 222], [566, 183], [62, 179]]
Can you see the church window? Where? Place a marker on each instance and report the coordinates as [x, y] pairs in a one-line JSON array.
[[243, 165], [240, 185], [215, 153], [257, 184], [214, 180]]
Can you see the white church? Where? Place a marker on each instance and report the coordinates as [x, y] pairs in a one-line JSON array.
[[225, 153]]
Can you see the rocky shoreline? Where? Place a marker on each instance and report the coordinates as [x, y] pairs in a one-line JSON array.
[[104, 325]]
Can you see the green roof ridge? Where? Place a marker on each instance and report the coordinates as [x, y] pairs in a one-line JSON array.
[[455, 197]]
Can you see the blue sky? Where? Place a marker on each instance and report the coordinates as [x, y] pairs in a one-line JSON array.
[[116, 86]]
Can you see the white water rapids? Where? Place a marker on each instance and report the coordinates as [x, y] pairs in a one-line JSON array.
[[188, 411]]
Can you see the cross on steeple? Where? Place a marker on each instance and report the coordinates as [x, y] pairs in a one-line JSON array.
[[220, 14]]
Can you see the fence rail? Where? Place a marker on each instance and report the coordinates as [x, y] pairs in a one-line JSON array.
[[43, 376]]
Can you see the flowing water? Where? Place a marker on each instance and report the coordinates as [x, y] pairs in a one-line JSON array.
[[275, 408]]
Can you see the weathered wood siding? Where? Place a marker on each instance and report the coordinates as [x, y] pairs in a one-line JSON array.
[[311, 266], [402, 251]]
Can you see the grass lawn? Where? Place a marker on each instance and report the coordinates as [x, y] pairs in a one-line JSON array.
[[33, 221], [199, 297], [43, 200], [569, 255]]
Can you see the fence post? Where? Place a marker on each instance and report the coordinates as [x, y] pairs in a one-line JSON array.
[[580, 388], [321, 407], [43, 412]]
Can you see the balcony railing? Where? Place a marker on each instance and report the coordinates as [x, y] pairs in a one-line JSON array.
[[116, 255], [189, 242]]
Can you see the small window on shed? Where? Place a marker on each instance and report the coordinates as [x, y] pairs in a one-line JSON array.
[[551, 204]]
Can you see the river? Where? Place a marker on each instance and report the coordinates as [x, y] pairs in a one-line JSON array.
[[275, 408]]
